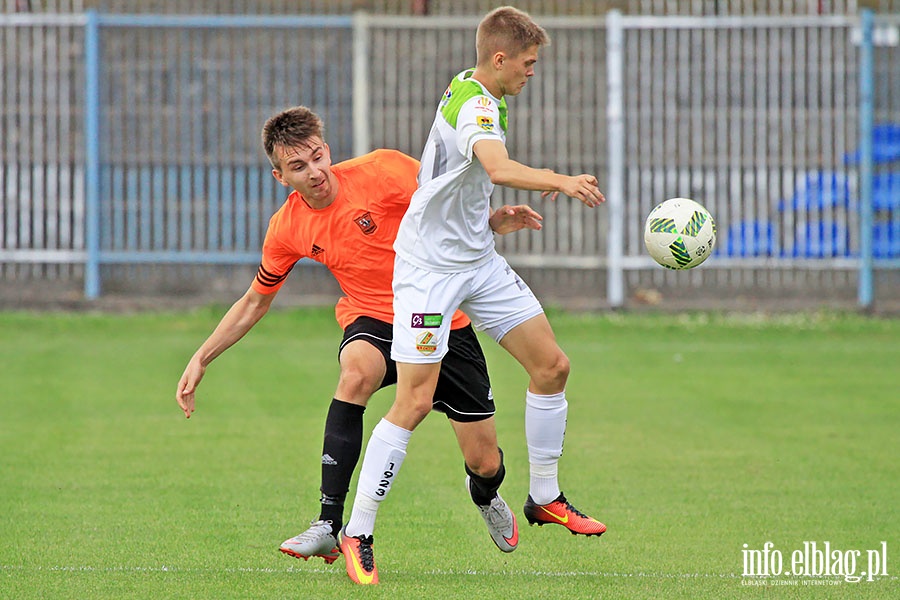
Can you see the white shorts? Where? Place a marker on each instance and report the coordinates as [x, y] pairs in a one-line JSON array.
[[493, 296]]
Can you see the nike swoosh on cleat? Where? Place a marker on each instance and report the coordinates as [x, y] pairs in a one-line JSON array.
[[556, 516], [514, 540], [360, 571]]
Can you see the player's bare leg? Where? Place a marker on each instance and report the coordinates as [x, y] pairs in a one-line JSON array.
[[484, 466], [362, 370], [384, 457], [534, 345]]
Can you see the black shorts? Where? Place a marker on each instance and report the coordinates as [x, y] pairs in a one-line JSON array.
[[463, 390]]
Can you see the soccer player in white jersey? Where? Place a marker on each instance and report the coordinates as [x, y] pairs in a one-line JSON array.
[[446, 260]]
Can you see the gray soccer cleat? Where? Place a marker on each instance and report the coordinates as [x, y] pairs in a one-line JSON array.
[[500, 521], [315, 541]]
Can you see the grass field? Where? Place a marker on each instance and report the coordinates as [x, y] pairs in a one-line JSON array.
[[688, 435]]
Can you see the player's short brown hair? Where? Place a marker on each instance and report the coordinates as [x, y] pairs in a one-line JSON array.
[[290, 128], [510, 30]]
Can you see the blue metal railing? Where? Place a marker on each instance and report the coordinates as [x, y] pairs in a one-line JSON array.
[[226, 225], [160, 200]]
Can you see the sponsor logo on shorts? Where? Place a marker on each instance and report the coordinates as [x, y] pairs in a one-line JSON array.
[[366, 223], [426, 343], [426, 320]]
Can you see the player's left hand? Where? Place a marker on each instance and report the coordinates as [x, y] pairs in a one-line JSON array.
[[508, 219]]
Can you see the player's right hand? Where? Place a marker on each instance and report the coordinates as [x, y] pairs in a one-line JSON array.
[[190, 379], [584, 188]]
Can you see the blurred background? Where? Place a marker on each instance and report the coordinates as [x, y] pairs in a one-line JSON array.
[[131, 173]]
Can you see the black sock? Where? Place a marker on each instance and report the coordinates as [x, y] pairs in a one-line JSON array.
[[483, 489], [340, 453]]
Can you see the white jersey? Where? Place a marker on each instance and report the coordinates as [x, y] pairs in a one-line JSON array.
[[446, 228]]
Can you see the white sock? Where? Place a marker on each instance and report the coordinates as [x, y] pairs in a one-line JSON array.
[[384, 454], [545, 429]]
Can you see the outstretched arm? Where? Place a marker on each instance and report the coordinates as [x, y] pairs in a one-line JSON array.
[[239, 319], [507, 172]]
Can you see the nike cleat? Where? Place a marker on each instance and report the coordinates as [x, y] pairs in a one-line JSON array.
[[360, 558], [500, 521], [562, 513], [315, 541]]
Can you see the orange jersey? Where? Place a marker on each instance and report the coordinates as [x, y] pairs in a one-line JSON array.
[[353, 236]]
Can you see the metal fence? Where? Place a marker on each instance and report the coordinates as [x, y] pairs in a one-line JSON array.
[[135, 139], [454, 7], [762, 120]]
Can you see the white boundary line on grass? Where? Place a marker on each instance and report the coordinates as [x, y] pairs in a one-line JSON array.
[[322, 569], [329, 570]]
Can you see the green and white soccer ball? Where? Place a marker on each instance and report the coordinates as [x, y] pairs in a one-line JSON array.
[[679, 233]]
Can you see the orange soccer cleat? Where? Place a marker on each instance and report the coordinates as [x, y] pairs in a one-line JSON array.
[[360, 558], [561, 512]]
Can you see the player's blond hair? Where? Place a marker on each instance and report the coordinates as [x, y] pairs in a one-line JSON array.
[[510, 30], [290, 128]]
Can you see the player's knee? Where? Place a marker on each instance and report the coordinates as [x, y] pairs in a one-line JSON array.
[[484, 464], [554, 372], [419, 406], [356, 385]]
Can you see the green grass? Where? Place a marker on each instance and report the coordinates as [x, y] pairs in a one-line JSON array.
[[689, 435]]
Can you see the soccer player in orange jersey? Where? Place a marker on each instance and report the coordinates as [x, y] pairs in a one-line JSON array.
[[346, 216]]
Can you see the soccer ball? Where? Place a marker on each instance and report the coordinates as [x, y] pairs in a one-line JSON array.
[[679, 233]]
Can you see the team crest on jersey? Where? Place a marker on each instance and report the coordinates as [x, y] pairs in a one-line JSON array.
[[426, 343], [366, 223], [486, 123]]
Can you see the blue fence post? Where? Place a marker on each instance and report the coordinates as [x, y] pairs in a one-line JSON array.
[[92, 154]]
